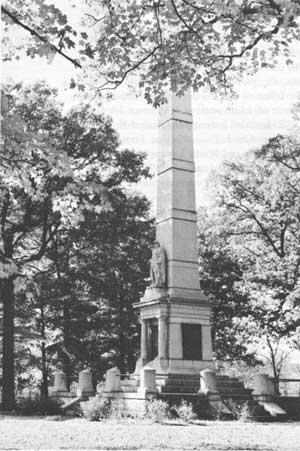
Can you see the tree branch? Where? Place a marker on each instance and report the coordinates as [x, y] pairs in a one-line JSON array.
[[117, 83], [250, 46], [37, 35]]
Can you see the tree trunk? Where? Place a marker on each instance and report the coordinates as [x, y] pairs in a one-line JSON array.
[[66, 361], [8, 386], [44, 385]]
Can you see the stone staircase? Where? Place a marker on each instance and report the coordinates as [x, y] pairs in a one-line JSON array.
[[185, 384], [232, 393], [228, 387], [233, 388]]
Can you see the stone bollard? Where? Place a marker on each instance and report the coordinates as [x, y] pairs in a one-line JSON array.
[[264, 388], [147, 381], [113, 380], [85, 386], [208, 384], [60, 382]]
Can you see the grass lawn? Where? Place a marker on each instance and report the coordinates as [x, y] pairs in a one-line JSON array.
[[76, 433]]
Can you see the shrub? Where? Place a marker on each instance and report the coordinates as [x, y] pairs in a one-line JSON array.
[[218, 410], [96, 409], [186, 412], [37, 406], [241, 411], [119, 412], [157, 410]]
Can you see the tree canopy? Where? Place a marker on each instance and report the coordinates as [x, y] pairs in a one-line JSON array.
[[59, 173], [253, 234], [192, 43]]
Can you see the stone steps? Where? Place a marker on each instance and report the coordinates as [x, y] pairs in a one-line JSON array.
[[180, 382], [227, 386], [129, 389], [174, 388], [178, 389], [190, 384], [131, 382]]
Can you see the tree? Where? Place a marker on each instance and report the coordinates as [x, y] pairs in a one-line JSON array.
[[257, 216], [115, 273], [54, 170], [193, 43], [276, 354], [220, 272], [99, 270]]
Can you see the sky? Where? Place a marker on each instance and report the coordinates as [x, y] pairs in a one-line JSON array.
[[223, 128]]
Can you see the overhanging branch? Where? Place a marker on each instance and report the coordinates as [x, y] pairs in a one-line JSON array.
[[37, 35]]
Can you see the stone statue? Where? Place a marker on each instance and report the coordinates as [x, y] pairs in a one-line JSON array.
[[158, 265]]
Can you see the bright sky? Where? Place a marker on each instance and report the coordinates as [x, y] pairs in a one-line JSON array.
[[222, 127]]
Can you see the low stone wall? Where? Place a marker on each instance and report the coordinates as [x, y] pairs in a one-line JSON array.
[[291, 405]]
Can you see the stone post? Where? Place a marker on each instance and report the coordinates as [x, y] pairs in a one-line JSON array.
[[113, 380], [60, 382], [207, 352], [147, 381], [265, 394], [85, 385], [208, 384], [162, 337], [144, 341], [264, 388]]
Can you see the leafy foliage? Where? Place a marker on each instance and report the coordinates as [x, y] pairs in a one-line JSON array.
[[220, 274], [192, 43], [61, 184], [157, 410], [185, 411], [96, 409], [256, 218], [36, 406]]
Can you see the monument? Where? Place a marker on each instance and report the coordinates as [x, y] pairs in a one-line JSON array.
[[174, 313], [176, 351]]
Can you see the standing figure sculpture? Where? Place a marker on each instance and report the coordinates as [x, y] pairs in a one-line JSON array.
[[158, 265]]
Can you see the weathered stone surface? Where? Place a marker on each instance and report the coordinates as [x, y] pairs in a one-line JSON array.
[[85, 385], [176, 217], [113, 380], [147, 381], [208, 382], [263, 385], [60, 382]]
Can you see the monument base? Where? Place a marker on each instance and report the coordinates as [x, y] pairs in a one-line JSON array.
[[175, 366], [175, 332]]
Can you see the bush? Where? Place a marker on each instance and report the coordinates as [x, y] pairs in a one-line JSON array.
[[186, 412], [96, 409], [37, 406], [219, 410], [241, 411], [120, 412], [157, 410]]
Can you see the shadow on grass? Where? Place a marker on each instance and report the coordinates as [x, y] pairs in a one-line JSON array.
[[178, 423]]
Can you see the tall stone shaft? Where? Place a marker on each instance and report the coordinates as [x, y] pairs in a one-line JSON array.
[[176, 219]]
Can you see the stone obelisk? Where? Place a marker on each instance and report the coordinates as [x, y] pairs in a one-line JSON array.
[[176, 314]]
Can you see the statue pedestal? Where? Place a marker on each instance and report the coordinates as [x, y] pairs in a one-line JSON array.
[[182, 331]]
